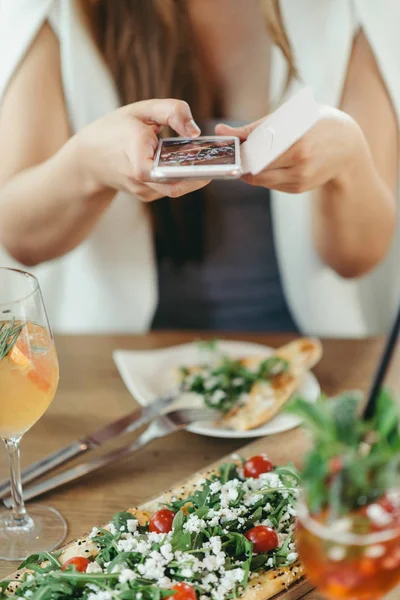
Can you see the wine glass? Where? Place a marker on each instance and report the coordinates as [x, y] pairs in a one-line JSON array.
[[356, 556], [28, 382]]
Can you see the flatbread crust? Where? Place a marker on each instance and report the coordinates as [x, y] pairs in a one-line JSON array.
[[262, 586], [266, 398]]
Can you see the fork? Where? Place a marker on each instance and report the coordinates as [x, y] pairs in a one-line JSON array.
[[162, 426]]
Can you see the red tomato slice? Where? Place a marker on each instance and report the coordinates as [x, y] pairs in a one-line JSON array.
[[161, 521], [80, 563], [257, 465], [184, 591], [263, 539]]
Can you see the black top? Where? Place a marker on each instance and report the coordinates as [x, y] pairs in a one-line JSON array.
[[236, 285]]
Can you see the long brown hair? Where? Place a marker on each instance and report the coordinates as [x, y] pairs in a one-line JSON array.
[[149, 47]]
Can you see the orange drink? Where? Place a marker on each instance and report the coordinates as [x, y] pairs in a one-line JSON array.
[[28, 380], [28, 383], [345, 564]]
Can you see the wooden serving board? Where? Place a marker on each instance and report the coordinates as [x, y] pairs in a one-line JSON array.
[[296, 591]]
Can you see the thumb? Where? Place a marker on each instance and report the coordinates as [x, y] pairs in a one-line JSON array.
[[174, 113], [241, 132]]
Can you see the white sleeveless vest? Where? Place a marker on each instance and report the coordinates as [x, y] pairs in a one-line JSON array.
[[108, 283]]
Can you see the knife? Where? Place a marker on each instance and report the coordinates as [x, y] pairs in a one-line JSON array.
[[161, 426], [121, 426]]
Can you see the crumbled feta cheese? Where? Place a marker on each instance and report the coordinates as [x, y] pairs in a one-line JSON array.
[[228, 583], [132, 525], [166, 551], [217, 396], [214, 543], [213, 562], [112, 529], [194, 524], [229, 492], [100, 595], [268, 523], [126, 575], [271, 480], [215, 487], [237, 382], [94, 567], [151, 569], [250, 499], [133, 544], [95, 532], [158, 538], [292, 557]]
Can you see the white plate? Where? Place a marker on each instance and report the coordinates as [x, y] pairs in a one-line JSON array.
[[148, 374]]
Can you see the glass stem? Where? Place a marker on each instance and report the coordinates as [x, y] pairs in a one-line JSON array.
[[19, 516]]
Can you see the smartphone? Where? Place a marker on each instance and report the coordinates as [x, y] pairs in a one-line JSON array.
[[205, 157]]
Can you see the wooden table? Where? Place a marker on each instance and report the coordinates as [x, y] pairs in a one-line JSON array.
[[92, 393]]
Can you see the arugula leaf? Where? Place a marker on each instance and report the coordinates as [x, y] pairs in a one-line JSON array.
[[3, 587], [36, 559], [227, 472], [180, 538]]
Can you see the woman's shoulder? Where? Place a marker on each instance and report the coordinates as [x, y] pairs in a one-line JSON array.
[[20, 22], [322, 33]]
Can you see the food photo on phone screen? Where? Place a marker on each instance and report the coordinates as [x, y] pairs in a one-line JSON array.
[[197, 152]]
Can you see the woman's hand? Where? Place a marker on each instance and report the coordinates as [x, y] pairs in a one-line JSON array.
[[117, 151], [345, 162], [326, 153]]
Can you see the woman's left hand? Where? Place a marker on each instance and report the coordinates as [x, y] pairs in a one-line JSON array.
[[325, 153]]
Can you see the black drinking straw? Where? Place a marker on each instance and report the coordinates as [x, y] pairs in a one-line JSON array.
[[382, 368]]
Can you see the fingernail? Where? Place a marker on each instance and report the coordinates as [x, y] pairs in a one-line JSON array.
[[192, 129]]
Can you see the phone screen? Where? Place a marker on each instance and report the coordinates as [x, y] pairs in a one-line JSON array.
[[196, 153]]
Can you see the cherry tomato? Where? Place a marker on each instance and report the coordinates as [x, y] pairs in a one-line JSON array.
[[257, 465], [184, 591], [161, 521], [263, 538], [80, 563]]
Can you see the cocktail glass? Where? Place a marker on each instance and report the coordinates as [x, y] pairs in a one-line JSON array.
[[356, 556], [28, 382]]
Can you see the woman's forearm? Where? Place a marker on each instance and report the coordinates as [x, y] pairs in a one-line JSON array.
[[47, 210], [354, 216]]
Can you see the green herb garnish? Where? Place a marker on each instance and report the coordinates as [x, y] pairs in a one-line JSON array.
[[353, 461], [9, 334]]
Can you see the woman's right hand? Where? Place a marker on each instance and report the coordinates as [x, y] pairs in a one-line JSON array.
[[117, 151]]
